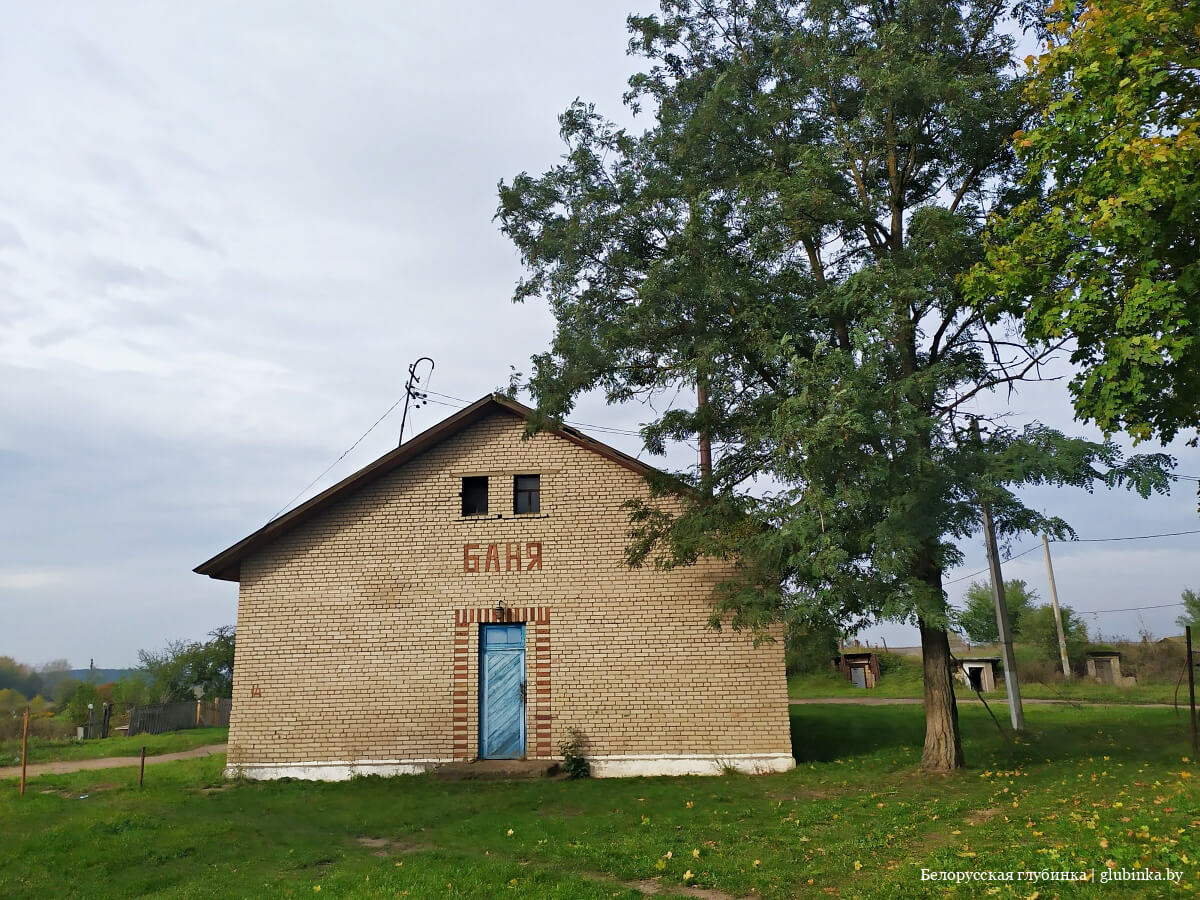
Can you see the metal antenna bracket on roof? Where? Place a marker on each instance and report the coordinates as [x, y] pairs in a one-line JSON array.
[[411, 393]]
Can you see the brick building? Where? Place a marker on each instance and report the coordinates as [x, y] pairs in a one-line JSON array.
[[466, 596]]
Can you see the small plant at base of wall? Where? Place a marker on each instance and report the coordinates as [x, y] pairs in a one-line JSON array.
[[574, 764]]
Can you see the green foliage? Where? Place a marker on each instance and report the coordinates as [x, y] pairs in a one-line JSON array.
[[75, 707], [64, 688], [575, 764], [175, 671], [1039, 629], [19, 677], [978, 618], [810, 647], [894, 663], [1104, 252], [11, 702], [134, 689], [1191, 612], [787, 236]]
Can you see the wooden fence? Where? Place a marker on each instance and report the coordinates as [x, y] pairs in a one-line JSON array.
[[160, 717]]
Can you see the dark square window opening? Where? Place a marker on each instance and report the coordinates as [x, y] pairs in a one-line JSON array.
[[475, 495], [527, 494]]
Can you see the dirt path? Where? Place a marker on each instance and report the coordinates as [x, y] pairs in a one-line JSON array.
[[108, 762], [917, 701]]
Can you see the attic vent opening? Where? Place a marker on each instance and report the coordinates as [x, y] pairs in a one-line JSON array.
[[475, 495]]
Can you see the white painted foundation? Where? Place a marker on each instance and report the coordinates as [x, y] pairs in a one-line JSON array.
[[334, 770], [679, 764], [602, 766]]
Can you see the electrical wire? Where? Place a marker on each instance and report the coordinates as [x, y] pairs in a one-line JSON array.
[[1096, 612], [335, 462], [460, 403], [1132, 537], [981, 571]]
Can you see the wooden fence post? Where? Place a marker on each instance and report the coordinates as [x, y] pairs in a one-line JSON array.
[[24, 747], [142, 770]]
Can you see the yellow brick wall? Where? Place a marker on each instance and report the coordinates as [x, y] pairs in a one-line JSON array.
[[347, 628]]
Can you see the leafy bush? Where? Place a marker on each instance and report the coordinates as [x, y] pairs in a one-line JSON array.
[[574, 763], [11, 702], [809, 648], [1040, 630], [894, 662], [176, 671], [42, 726]]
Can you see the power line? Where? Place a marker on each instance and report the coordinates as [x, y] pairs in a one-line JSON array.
[[458, 405], [335, 462], [1096, 612], [981, 571], [1132, 537]]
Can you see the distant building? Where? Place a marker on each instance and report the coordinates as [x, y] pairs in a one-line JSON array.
[[859, 666], [979, 673], [1105, 667], [466, 596]]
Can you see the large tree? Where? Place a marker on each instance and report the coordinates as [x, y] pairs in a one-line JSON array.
[[184, 667], [785, 239], [1107, 250], [978, 616]]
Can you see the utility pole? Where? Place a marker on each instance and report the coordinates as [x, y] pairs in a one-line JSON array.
[[1012, 687], [411, 392], [1062, 640]]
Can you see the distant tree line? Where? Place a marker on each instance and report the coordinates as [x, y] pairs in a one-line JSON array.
[[183, 670]]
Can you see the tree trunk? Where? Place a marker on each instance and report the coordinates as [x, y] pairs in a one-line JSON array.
[[943, 745]]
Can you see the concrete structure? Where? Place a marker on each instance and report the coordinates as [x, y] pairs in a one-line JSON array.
[[978, 673], [465, 596], [1105, 667]]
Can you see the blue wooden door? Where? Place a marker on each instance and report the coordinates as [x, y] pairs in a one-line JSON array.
[[502, 692]]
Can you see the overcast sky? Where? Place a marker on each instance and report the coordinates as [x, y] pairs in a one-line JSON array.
[[226, 229]]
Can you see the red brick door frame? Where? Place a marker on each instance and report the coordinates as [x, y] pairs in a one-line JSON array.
[[469, 618]]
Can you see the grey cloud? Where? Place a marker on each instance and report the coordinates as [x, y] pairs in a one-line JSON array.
[[113, 273], [56, 335], [10, 237]]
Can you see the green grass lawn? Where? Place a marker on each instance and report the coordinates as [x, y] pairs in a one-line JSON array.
[[46, 750], [1085, 787], [907, 682]]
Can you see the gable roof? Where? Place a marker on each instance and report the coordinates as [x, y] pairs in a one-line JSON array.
[[226, 565]]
